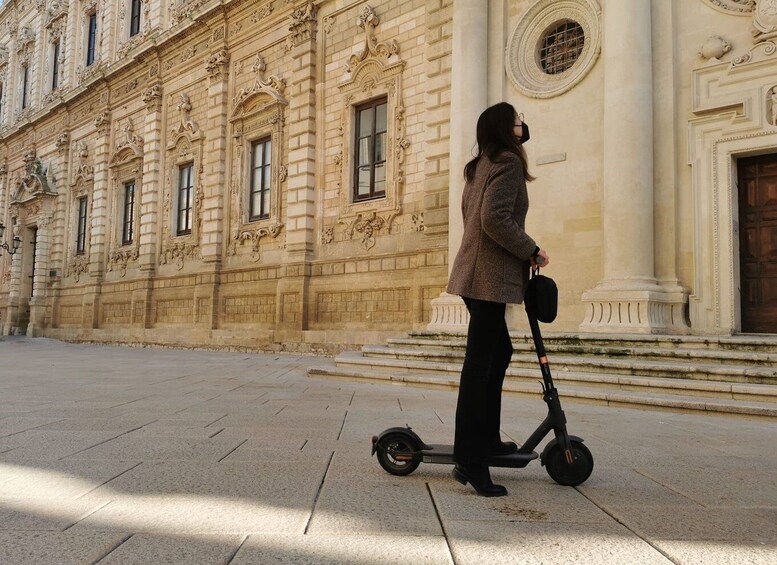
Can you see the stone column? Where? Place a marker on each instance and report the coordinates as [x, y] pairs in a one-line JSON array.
[[215, 181], [99, 215], [628, 298], [12, 313], [301, 180], [469, 97], [39, 282], [150, 194]]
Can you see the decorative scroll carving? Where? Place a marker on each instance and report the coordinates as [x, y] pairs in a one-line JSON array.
[[125, 47], [187, 124], [62, 140], [56, 10], [262, 13], [303, 26], [120, 258], [183, 9], [130, 146], [4, 55], [759, 52], [177, 253], [76, 266], [273, 86], [83, 171], [101, 122], [367, 227], [217, 65], [254, 236], [368, 21], [24, 38], [738, 7], [34, 182]]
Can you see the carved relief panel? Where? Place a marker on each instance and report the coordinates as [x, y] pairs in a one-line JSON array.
[[184, 150], [372, 72], [126, 165], [258, 114], [81, 186]]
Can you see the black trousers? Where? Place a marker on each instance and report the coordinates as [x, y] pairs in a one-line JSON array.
[[479, 407]]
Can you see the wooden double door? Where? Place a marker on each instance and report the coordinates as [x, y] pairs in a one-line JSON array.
[[758, 242]]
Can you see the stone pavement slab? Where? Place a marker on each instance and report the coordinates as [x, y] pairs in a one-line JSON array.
[[130, 455]]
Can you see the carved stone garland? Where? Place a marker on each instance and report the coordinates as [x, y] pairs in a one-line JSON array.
[[374, 71], [185, 146], [126, 165], [257, 110]]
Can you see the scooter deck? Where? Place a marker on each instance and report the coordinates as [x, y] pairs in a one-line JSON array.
[[443, 454]]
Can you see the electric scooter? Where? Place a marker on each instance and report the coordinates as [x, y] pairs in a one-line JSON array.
[[568, 462]]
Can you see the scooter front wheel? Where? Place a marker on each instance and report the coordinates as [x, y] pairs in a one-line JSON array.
[[396, 454], [569, 473]]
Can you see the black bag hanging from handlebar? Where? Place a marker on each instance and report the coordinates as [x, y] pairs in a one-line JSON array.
[[541, 297]]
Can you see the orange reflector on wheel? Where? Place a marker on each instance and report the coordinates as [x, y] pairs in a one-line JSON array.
[[544, 360], [568, 456], [402, 457]]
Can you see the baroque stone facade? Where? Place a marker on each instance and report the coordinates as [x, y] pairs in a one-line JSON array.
[[190, 171]]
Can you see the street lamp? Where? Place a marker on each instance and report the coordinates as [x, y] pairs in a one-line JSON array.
[[15, 243]]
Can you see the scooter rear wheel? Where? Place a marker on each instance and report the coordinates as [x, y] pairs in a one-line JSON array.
[[569, 474], [394, 453]]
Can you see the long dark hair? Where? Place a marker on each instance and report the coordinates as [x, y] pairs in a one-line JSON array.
[[495, 136]]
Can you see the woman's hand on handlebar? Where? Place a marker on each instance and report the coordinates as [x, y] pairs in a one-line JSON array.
[[540, 260]]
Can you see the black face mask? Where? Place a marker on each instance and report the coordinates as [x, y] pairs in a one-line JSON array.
[[524, 133]]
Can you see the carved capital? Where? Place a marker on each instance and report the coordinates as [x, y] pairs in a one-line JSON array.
[[217, 65], [303, 26]]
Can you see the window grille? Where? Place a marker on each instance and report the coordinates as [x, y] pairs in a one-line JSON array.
[[561, 47]]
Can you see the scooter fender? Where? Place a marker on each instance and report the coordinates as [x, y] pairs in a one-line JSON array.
[[553, 442], [376, 440]]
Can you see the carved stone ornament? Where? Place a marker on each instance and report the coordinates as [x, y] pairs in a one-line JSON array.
[[101, 121], [773, 104], [367, 227], [177, 253], [125, 47], [62, 140], [262, 13], [187, 124], [368, 21], [759, 52], [735, 7], [182, 9], [83, 171], [152, 97], [130, 146], [272, 86], [765, 20], [76, 266], [34, 182], [120, 258], [303, 25], [714, 48], [522, 60], [24, 38], [4, 55], [217, 65], [56, 10], [254, 236]]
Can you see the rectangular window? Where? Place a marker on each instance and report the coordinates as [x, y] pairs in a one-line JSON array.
[[91, 39], [260, 179], [55, 66], [25, 84], [135, 17], [81, 230], [370, 151], [185, 186], [128, 226]]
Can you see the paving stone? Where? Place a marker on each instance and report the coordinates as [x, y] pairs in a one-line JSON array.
[[690, 552], [58, 479], [43, 513], [15, 424], [343, 550], [162, 448], [391, 506], [530, 543], [38, 444], [143, 549], [56, 548]]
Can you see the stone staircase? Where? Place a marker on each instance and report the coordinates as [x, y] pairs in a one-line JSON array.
[[723, 375]]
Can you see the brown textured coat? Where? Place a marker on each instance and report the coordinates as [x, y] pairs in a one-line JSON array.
[[493, 261]]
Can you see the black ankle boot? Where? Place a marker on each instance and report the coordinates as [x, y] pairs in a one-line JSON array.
[[504, 448], [480, 479]]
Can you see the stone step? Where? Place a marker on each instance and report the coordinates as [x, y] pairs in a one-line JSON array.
[[653, 368], [717, 356], [531, 375], [763, 343], [606, 396]]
